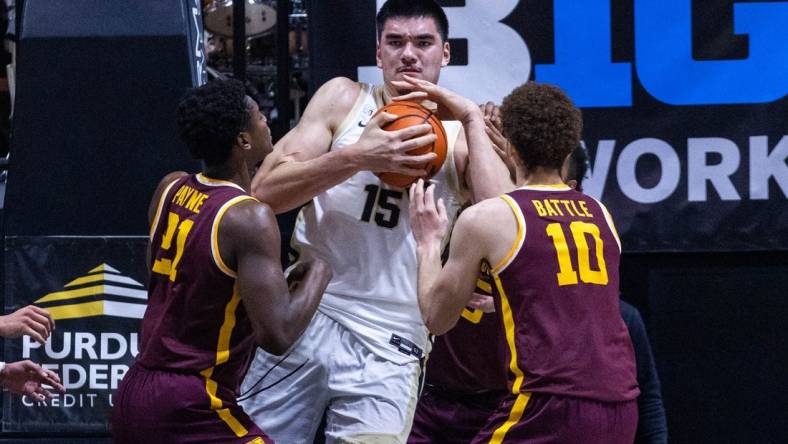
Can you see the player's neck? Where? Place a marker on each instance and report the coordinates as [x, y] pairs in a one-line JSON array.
[[230, 173], [520, 175], [543, 176]]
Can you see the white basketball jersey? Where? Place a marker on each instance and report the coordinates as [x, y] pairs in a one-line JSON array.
[[361, 228]]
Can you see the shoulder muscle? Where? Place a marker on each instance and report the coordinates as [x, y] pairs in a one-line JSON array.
[[313, 134], [248, 226], [494, 226]]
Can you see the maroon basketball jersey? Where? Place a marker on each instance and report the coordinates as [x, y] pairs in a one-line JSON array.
[[195, 322], [465, 358], [557, 292]]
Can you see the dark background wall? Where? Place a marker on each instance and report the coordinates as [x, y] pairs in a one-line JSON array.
[[94, 128], [717, 326]]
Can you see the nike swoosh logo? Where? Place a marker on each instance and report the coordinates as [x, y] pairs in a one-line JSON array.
[[361, 124]]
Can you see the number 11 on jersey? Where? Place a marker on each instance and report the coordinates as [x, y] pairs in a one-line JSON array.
[[169, 267]]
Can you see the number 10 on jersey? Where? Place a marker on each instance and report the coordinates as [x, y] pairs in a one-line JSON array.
[[567, 274]]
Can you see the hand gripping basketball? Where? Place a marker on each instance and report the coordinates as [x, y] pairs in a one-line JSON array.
[[409, 114]]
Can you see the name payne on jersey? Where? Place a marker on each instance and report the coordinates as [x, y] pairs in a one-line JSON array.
[[552, 207], [189, 198]]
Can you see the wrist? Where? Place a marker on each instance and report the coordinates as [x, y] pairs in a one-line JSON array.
[[348, 157], [473, 117], [428, 247]]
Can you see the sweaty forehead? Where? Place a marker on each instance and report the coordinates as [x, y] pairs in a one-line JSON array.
[[414, 26]]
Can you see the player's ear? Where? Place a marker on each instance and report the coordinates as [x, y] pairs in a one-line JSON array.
[[446, 54], [564, 171], [378, 58], [242, 140]]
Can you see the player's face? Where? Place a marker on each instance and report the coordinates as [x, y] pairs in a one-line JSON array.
[[259, 134], [412, 46]]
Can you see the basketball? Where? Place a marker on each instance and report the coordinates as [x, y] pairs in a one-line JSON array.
[[411, 113]]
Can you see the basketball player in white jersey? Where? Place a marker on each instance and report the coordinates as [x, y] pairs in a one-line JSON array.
[[359, 361]]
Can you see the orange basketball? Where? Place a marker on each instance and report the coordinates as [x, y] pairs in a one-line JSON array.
[[411, 113]]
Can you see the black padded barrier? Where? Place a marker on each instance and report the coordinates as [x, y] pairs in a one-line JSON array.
[[93, 130]]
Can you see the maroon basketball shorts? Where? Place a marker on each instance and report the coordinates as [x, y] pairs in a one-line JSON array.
[[154, 407], [446, 417], [541, 418]]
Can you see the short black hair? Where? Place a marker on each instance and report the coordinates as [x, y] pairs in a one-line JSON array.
[[210, 117], [413, 8], [541, 123], [578, 165]]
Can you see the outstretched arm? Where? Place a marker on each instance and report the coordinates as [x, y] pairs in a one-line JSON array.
[[249, 243], [301, 166], [502, 147], [485, 173], [443, 293]]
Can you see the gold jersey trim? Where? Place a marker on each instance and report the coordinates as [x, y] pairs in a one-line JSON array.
[[155, 222], [222, 356], [211, 182], [610, 223], [522, 398], [509, 331], [474, 317], [215, 251], [546, 187], [518, 242], [514, 416]]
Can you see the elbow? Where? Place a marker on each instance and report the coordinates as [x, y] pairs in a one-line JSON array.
[[275, 345], [438, 327], [264, 193], [258, 191]]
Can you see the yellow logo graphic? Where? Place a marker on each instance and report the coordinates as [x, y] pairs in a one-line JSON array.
[[99, 285]]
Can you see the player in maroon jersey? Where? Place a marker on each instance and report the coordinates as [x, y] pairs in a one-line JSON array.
[[216, 287], [463, 385], [554, 255]]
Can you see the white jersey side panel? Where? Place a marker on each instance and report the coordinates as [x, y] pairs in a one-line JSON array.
[[361, 228]]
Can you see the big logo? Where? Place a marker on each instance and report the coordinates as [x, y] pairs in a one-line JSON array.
[[499, 59]]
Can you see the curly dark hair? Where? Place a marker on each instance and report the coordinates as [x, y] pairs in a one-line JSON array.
[[210, 117], [541, 123], [413, 8]]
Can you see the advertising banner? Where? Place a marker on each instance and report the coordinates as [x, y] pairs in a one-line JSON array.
[[95, 289], [684, 103]]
